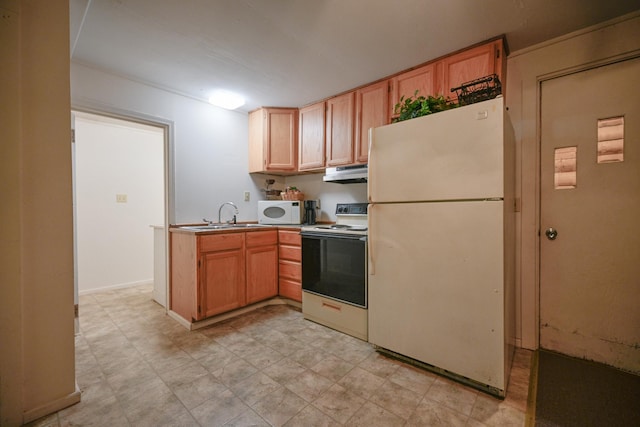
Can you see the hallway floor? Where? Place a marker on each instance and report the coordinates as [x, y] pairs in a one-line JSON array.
[[138, 367]]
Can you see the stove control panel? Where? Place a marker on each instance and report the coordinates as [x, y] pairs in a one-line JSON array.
[[351, 209]]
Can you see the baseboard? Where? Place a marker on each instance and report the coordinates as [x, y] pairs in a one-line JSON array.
[[51, 407], [113, 287], [228, 315]]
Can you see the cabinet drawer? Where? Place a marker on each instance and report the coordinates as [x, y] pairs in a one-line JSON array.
[[220, 242], [290, 270], [261, 238], [336, 315], [291, 238], [290, 289], [291, 253]]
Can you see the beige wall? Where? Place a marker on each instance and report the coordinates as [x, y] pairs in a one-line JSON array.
[[37, 373], [526, 69]]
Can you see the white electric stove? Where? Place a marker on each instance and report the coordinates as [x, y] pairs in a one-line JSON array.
[[334, 271]]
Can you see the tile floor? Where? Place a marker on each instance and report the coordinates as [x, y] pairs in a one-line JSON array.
[[138, 367]]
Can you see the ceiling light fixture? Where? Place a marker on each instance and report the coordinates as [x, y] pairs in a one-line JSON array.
[[226, 99]]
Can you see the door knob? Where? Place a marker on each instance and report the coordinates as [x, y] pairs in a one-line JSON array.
[[551, 233]]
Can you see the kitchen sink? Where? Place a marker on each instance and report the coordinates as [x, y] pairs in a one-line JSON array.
[[220, 226]]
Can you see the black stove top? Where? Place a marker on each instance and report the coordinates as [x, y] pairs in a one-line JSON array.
[[342, 227]]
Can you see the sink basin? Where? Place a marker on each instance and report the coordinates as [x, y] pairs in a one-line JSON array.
[[220, 226], [206, 227]]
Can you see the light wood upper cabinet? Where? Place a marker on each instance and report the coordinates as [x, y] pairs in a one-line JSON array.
[[372, 107], [334, 132], [423, 79], [311, 143], [262, 265], [340, 129], [273, 140], [472, 64]]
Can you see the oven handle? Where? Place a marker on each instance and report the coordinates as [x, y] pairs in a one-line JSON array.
[[321, 235]]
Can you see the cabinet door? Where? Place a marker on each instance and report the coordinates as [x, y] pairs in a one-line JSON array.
[[222, 286], [262, 273], [262, 265], [423, 79], [311, 137], [273, 140], [372, 110], [470, 65], [340, 124], [281, 140]]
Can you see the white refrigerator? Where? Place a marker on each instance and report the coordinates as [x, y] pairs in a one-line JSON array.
[[441, 242]]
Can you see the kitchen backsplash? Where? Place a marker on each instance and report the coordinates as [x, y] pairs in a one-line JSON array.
[[328, 193]]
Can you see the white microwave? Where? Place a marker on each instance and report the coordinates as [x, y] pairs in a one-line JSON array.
[[280, 211]]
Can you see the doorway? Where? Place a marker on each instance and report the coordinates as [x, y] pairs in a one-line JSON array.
[[589, 210], [119, 201]]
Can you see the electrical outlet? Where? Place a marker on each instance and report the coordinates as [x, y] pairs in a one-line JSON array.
[[121, 198], [247, 196]]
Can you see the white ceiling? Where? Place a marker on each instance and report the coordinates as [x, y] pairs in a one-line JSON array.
[[294, 52]]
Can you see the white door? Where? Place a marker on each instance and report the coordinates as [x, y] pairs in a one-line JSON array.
[[590, 215]]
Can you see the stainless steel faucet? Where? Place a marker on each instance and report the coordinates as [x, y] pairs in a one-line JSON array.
[[236, 212]]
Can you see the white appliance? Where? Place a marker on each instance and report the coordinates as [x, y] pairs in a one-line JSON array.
[[441, 242], [334, 271], [280, 212]]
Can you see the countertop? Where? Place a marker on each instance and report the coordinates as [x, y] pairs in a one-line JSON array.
[[183, 228]]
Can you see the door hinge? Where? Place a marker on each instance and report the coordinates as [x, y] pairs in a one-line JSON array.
[[199, 309], [73, 136], [198, 263], [498, 53]]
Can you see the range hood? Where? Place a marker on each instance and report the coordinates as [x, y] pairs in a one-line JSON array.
[[347, 174]]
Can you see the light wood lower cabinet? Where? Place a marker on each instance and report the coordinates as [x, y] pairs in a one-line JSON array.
[[290, 264], [262, 265], [221, 282], [216, 273]]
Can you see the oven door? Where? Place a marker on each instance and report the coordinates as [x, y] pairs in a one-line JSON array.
[[335, 266]]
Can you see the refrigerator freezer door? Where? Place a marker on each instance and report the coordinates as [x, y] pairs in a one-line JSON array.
[[436, 285], [452, 155]]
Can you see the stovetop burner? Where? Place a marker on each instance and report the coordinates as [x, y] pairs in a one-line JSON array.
[[342, 227], [351, 218]]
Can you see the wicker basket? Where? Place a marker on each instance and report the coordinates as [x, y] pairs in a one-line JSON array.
[[292, 195]]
